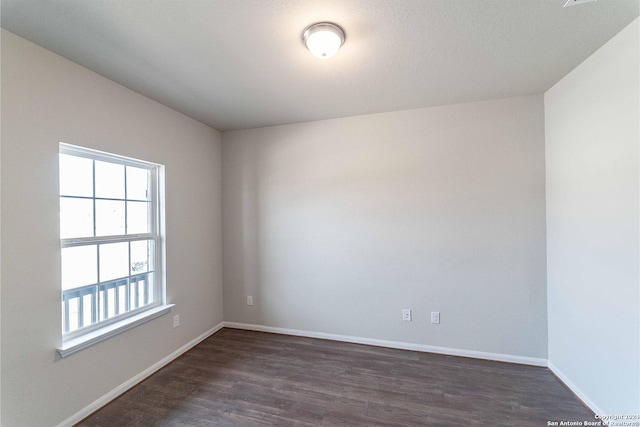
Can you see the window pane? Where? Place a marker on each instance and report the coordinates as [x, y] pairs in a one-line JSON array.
[[109, 180], [76, 218], [76, 176], [114, 261], [137, 183], [141, 258], [109, 218], [79, 266], [138, 217]]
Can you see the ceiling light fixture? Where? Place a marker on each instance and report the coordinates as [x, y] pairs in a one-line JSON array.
[[323, 39]]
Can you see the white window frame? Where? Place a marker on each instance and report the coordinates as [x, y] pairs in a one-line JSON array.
[[78, 339]]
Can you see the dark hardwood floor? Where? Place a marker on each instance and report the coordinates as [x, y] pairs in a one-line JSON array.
[[243, 378]]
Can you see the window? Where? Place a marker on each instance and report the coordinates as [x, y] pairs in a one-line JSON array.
[[110, 239]]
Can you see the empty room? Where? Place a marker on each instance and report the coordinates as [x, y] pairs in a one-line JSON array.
[[320, 213]]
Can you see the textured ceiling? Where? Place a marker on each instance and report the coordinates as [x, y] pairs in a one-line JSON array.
[[237, 64]]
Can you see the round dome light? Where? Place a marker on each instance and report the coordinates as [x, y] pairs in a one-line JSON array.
[[323, 39]]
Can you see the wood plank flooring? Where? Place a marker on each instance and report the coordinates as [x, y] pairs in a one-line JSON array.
[[243, 378]]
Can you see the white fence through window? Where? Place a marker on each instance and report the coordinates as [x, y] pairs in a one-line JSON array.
[[87, 305]]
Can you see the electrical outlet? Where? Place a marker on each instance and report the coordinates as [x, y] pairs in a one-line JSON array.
[[435, 317], [406, 315], [176, 320], [249, 300]]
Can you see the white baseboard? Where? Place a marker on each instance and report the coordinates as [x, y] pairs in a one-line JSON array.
[[99, 403], [575, 389], [521, 360]]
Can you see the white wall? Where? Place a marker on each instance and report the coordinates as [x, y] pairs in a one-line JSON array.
[[47, 99], [593, 256], [335, 226]]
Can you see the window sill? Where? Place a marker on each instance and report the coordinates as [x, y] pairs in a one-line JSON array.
[[109, 331]]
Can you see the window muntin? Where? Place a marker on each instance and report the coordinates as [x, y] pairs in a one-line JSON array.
[[110, 238]]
